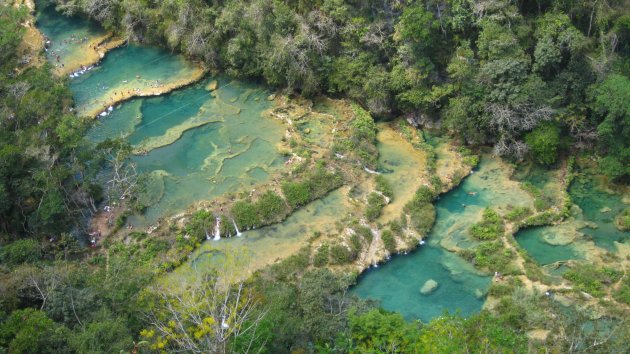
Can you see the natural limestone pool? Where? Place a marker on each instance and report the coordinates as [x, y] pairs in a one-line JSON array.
[[397, 284], [590, 225], [196, 144]]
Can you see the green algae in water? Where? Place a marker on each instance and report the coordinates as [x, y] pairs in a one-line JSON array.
[[396, 284], [532, 240], [599, 207]]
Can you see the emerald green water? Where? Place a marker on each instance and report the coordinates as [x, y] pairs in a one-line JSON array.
[[533, 241], [126, 70], [197, 145], [397, 283], [61, 29], [234, 151], [593, 221], [599, 207]]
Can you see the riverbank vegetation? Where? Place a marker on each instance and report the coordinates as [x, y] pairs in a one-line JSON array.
[[534, 80]]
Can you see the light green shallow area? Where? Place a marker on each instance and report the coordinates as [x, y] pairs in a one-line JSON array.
[[270, 243]]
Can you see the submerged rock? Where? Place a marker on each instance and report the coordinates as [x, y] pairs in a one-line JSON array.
[[479, 294], [213, 85], [271, 97], [429, 287]]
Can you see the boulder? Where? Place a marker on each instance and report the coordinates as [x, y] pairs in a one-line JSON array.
[[213, 85], [429, 287]]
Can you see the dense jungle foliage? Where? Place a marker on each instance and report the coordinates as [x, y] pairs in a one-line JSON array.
[[539, 77], [533, 79]]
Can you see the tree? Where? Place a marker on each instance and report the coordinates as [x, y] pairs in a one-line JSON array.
[[31, 331], [206, 317], [544, 142]]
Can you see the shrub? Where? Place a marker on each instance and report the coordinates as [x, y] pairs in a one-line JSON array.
[[422, 216], [543, 142], [321, 256], [518, 213], [245, 214], [21, 251], [388, 240], [271, 207], [363, 137], [227, 227], [492, 255], [383, 185], [591, 279], [376, 202], [340, 254], [364, 232], [355, 244], [200, 222], [540, 219], [321, 182], [296, 193], [490, 226], [622, 220], [424, 194]]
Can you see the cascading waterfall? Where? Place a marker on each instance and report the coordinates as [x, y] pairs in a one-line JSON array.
[[217, 230], [238, 233], [207, 234]]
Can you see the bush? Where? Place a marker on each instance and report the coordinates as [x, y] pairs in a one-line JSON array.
[[321, 182], [21, 251], [492, 255], [376, 202], [518, 213], [227, 227], [489, 228], [383, 185], [422, 216], [591, 279], [271, 207], [364, 232], [321, 256], [245, 215], [543, 141], [622, 220], [355, 244], [340, 254], [296, 193], [388, 240], [540, 219]]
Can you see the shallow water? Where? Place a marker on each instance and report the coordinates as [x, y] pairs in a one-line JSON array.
[[594, 220], [61, 29], [599, 207], [125, 70], [268, 244], [403, 168], [235, 150], [533, 241], [397, 283]]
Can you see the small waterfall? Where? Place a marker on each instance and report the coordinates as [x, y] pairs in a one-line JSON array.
[[217, 230], [207, 234], [238, 233]]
